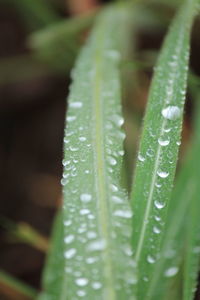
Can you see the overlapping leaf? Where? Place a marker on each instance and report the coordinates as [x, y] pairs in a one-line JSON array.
[[158, 151], [97, 215]]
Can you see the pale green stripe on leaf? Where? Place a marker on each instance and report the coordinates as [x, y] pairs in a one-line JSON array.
[[97, 215], [159, 146]]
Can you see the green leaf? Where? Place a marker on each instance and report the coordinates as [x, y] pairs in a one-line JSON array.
[[37, 13], [97, 214], [54, 268], [184, 197], [192, 239], [16, 285], [58, 44], [158, 151]]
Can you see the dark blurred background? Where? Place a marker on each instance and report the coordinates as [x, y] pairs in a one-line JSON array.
[[35, 60]]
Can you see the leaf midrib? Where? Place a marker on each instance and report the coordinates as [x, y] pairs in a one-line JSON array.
[[149, 199], [99, 165]]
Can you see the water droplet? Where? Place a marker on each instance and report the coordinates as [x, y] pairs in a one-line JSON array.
[[97, 245], [150, 152], [91, 235], [71, 118], [81, 293], [96, 285], [82, 138], [178, 143], [112, 161], [123, 213], [196, 250], [158, 185], [163, 142], [171, 272], [141, 158], [84, 211], [91, 260], [159, 205], [66, 141], [157, 218], [116, 199], [163, 174], [121, 152], [171, 112], [67, 223], [73, 149], [167, 129], [145, 278], [151, 259], [81, 281], [85, 198], [65, 162], [113, 187], [70, 253], [156, 230], [77, 104], [68, 239]]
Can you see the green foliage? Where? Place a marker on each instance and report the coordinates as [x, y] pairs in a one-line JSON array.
[[36, 13], [52, 280], [97, 215], [59, 43], [104, 245], [159, 145], [16, 285]]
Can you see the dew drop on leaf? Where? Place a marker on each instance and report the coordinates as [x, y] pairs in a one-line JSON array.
[[68, 239], [85, 198], [77, 104], [81, 281], [81, 293], [70, 253], [159, 205], [156, 230], [163, 174], [151, 259], [141, 158], [171, 272], [123, 213], [171, 112], [96, 285], [162, 142]]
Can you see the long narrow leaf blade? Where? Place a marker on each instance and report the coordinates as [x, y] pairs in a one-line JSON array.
[[158, 151], [184, 197], [59, 43], [192, 246], [54, 268], [97, 215]]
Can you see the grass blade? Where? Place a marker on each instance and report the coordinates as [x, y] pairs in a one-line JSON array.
[[192, 240], [37, 13], [183, 199], [158, 151], [58, 44], [97, 214], [54, 267], [13, 286]]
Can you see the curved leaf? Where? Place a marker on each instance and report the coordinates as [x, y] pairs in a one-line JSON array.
[[158, 151], [97, 215]]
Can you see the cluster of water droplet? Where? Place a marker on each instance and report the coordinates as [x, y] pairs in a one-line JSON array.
[[158, 154], [97, 218]]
